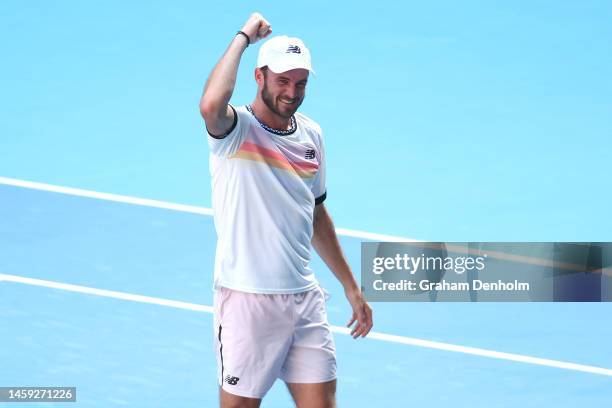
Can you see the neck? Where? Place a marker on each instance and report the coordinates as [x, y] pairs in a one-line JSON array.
[[269, 118]]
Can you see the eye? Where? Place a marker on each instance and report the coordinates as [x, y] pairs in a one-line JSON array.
[[283, 81]]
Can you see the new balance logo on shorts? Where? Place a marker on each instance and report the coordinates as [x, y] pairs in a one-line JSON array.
[[293, 49], [310, 154], [231, 380]]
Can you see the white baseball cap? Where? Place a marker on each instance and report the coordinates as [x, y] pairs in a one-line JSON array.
[[282, 53]]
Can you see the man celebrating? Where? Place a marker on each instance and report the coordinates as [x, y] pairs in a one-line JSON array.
[[267, 166]]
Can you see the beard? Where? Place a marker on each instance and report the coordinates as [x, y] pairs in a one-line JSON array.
[[286, 113]]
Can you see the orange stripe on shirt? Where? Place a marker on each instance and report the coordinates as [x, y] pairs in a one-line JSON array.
[[251, 151], [252, 147]]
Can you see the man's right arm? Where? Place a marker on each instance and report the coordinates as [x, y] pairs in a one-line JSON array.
[[220, 84]]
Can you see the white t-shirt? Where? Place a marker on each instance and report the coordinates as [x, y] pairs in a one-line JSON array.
[[264, 187]]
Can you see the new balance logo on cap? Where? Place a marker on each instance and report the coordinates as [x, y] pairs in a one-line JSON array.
[[231, 380], [294, 49], [310, 154]]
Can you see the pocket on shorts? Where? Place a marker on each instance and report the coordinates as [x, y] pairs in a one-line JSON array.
[[326, 294], [221, 296]]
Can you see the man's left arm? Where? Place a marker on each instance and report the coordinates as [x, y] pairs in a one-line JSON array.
[[325, 241]]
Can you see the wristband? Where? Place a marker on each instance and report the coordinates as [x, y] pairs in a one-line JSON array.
[[245, 36]]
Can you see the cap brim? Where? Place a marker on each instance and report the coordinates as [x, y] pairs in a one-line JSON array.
[[280, 68]]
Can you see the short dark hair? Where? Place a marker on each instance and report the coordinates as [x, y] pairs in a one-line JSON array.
[[264, 69]]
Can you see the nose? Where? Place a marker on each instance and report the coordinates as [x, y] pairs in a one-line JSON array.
[[291, 91]]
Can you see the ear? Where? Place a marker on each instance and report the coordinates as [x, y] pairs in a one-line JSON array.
[[259, 77]]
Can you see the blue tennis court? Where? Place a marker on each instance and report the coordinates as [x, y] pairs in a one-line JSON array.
[[500, 132], [155, 349]]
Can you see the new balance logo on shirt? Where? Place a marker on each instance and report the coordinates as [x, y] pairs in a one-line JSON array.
[[310, 154], [293, 49], [231, 380]]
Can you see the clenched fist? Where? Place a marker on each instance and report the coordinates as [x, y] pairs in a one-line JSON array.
[[256, 27]]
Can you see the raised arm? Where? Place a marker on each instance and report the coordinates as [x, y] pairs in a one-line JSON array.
[[220, 84]]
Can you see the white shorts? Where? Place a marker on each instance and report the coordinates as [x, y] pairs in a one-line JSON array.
[[261, 337]]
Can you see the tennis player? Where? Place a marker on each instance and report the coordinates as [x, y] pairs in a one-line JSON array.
[[267, 164]]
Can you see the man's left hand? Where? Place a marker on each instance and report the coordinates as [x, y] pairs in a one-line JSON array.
[[362, 314]]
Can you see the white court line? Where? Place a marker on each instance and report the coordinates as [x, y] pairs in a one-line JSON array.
[[105, 196], [170, 206], [337, 329]]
